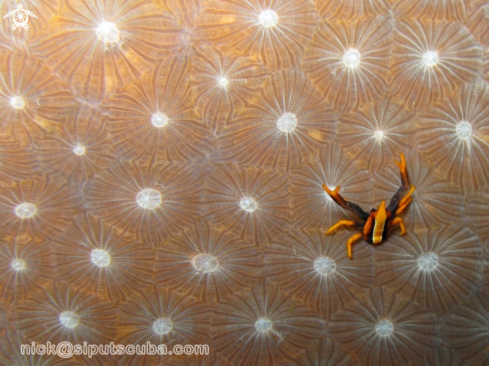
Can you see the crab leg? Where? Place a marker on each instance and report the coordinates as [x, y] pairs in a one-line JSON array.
[[407, 196], [398, 220], [340, 223], [352, 241], [406, 200]]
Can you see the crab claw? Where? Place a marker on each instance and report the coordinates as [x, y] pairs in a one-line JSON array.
[[402, 164]]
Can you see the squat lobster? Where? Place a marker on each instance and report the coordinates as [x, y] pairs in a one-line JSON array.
[[376, 224]]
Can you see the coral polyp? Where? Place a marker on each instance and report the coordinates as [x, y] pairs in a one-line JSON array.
[[155, 199], [281, 128], [208, 263], [399, 331], [276, 31], [430, 60], [118, 39], [349, 62], [270, 326], [462, 152]]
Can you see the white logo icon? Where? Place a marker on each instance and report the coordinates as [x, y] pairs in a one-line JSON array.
[[20, 16]]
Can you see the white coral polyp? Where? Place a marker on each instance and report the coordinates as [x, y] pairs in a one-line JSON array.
[[268, 18], [149, 198], [107, 32]]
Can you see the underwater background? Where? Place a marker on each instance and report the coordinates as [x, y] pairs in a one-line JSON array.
[[161, 172]]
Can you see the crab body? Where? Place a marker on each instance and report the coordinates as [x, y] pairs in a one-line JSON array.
[[376, 224]]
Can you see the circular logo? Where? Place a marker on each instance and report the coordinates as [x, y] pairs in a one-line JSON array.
[[20, 18]]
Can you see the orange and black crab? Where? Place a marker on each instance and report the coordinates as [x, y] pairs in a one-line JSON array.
[[378, 222]]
